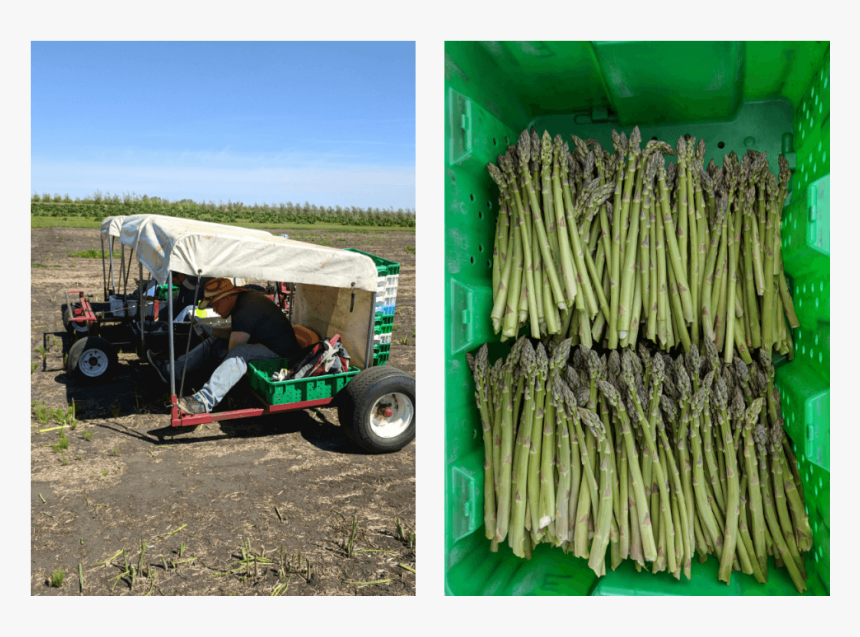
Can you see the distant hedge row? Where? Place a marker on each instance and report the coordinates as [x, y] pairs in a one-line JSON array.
[[99, 207]]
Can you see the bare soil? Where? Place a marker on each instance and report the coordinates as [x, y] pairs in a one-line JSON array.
[[292, 481]]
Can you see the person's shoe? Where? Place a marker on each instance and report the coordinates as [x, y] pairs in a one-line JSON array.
[[160, 365], [191, 406]]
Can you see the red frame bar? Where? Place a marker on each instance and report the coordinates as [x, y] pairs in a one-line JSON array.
[[86, 310], [87, 315], [184, 420]]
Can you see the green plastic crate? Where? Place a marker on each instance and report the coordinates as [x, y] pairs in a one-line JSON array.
[[382, 348], [769, 96], [161, 291], [383, 266], [383, 329], [293, 391], [380, 358], [383, 321]]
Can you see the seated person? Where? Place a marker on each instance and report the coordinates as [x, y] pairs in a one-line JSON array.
[[259, 330]]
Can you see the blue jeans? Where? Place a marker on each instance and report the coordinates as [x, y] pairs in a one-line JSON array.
[[232, 367]]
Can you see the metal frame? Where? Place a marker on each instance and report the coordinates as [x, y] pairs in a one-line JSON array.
[[178, 419], [104, 273], [368, 357], [87, 315]]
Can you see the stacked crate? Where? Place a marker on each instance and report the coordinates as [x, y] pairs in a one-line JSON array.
[[386, 298]]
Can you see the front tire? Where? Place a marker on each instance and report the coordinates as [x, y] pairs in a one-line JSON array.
[[377, 409], [75, 328], [92, 360]]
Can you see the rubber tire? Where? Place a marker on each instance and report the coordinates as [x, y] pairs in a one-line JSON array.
[[357, 398], [343, 400], [88, 343], [70, 326]]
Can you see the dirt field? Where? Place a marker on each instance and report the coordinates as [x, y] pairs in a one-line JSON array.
[[293, 481]]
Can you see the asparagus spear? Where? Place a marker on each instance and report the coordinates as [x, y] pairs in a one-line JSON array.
[[562, 520], [644, 518], [649, 434], [504, 500], [501, 292], [480, 369], [768, 334], [730, 533], [785, 522], [543, 241], [734, 242], [533, 479], [686, 534], [622, 207], [746, 538], [770, 514], [601, 533], [672, 242], [702, 504]]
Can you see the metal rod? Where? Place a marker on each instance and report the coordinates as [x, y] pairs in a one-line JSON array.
[[368, 358], [104, 274], [112, 269], [188, 343], [170, 333], [123, 269], [140, 302], [292, 298]]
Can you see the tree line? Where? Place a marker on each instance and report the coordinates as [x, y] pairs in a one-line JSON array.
[[100, 205]]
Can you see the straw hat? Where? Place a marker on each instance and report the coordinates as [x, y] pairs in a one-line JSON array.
[[305, 336], [217, 289]]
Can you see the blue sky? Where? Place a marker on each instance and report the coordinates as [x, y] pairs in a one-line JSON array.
[[332, 123]]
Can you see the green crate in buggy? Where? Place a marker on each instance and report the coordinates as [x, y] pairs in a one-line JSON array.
[[292, 391]]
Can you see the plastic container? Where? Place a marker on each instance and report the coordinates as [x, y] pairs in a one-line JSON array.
[[383, 320], [380, 358], [769, 96], [383, 329], [161, 291], [293, 391], [126, 305], [382, 348], [383, 266]]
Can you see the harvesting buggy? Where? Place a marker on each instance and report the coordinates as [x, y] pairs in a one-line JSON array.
[[328, 290]]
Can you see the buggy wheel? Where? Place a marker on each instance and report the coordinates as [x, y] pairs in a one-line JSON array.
[[345, 403], [91, 360], [75, 328], [377, 409]]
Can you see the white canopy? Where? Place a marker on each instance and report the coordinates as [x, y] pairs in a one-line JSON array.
[[166, 244], [113, 225]]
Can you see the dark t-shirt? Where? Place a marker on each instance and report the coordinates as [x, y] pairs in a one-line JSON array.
[[258, 316]]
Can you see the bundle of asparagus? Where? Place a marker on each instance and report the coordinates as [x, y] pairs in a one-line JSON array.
[[587, 257], [647, 456]]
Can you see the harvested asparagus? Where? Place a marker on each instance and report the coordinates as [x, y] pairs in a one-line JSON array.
[[693, 253], [654, 456]]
